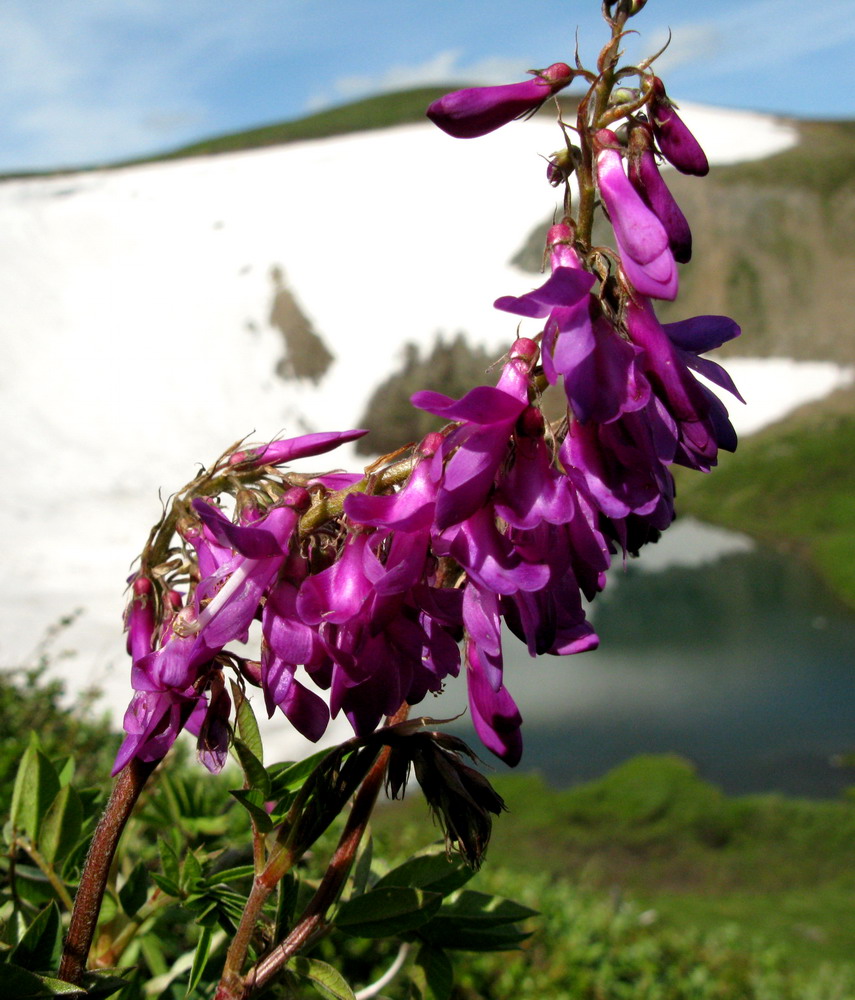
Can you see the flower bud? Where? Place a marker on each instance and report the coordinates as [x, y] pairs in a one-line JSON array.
[[679, 147], [475, 111]]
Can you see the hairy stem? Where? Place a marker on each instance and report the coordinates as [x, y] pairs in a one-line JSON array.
[[96, 869]]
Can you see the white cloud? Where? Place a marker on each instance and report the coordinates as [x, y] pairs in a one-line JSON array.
[[444, 67]]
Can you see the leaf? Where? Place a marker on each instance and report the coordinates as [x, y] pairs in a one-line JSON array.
[[134, 892], [36, 785], [62, 823], [39, 947], [253, 769], [456, 935], [433, 973], [476, 921], [227, 875], [487, 910], [328, 981], [247, 725], [64, 770], [191, 871], [253, 801], [168, 861], [291, 777], [387, 912], [166, 884], [200, 958], [23, 985], [435, 872], [105, 982], [362, 868]]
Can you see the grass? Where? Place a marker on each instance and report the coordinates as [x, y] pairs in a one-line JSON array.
[[791, 485], [777, 871]]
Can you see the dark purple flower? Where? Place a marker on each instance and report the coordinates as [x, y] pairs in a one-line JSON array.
[[645, 178], [476, 111], [679, 147]]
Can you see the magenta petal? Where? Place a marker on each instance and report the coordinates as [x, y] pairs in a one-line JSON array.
[[564, 287], [305, 446], [646, 179], [639, 232], [702, 333], [256, 542], [678, 145], [485, 404], [496, 718], [338, 593], [475, 111], [644, 278]]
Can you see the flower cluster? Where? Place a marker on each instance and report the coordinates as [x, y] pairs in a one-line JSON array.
[[371, 584]]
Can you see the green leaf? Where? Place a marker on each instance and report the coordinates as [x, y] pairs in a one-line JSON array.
[[291, 777], [191, 871], [476, 921], [457, 935], [36, 785], [253, 801], [166, 884], [64, 770], [62, 823], [23, 985], [328, 981], [134, 892], [362, 868], [435, 872], [387, 912], [105, 982], [227, 875], [247, 725], [433, 973], [168, 861], [39, 947], [486, 910], [200, 958], [253, 769]]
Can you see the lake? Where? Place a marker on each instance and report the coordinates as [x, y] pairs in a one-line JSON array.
[[733, 656]]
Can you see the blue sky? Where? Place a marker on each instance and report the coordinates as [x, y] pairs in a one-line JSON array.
[[87, 81]]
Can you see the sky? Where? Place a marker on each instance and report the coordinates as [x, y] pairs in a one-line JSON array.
[[92, 81]]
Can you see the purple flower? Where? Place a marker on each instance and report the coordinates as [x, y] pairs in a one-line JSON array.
[[646, 257], [290, 449], [487, 417], [476, 111], [645, 178], [679, 147]]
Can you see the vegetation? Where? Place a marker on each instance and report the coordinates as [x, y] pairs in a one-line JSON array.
[[793, 486]]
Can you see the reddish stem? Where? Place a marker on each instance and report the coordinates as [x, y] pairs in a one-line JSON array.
[[96, 870]]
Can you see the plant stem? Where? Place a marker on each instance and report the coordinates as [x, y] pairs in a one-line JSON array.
[[47, 870], [311, 924], [96, 870]]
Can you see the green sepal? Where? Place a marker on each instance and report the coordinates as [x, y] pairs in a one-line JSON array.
[[387, 912]]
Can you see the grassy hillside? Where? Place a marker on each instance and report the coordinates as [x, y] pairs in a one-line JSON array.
[[777, 870], [792, 485]]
